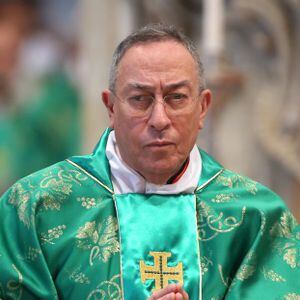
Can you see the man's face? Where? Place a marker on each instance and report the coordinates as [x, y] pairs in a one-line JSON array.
[[156, 144]]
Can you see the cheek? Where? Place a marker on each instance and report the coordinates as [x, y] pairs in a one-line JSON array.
[[195, 121], [125, 125], [121, 120], [188, 130], [128, 132]]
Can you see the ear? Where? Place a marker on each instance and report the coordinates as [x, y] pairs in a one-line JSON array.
[[107, 99], [205, 101]]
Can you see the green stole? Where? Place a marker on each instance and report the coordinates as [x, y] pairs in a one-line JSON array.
[[159, 243], [154, 230]]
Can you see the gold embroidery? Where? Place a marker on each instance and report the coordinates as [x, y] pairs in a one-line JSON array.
[[285, 227], [205, 263], [50, 202], [160, 272], [248, 268], [226, 281], [53, 190], [32, 254], [238, 181], [292, 296], [201, 187], [54, 180], [19, 197], [245, 272], [290, 257], [272, 275], [78, 277], [14, 288], [210, 224], [221, 198], [52, 234], [90, 175], [108, 289], [225, 181], [100, 239], [58, 187], [87, 202], [286, 239], [263, 222]]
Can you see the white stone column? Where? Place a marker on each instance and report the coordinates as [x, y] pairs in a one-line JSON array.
[[103, 24], [213, 34], [212, 47]]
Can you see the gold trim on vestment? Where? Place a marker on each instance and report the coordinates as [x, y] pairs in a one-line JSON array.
[[120, 242], [208, 181], [90, 175], [199, 250]]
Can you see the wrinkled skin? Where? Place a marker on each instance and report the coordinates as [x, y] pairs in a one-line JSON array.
[[156, 145]]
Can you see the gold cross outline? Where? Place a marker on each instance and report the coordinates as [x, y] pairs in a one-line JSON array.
[[160, 272]]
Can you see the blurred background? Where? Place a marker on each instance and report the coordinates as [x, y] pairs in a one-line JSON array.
[[55, 57]]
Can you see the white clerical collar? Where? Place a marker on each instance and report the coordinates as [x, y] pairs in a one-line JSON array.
[[126, 180]]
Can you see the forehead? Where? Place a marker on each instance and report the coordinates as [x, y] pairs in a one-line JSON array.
[[157, 61]]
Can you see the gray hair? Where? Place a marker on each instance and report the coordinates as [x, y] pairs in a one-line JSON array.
[[154, 33]]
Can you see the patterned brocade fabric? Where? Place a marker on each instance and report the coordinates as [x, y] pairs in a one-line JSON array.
[[59, 236], [249, 241]]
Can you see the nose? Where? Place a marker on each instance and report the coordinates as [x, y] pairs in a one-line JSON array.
[[159, 119]]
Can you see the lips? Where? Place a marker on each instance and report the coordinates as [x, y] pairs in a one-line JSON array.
[[160, 144]]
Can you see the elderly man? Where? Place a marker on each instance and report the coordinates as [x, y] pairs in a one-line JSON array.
[[148, 214]]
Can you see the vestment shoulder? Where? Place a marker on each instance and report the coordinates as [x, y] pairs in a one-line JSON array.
[[49, 186], [236, 210], [242, 187], [37, 179]]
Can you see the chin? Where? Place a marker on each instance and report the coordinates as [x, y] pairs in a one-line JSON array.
[[160, 168]]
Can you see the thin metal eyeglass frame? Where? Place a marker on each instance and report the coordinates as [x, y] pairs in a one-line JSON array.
[[153, 101]]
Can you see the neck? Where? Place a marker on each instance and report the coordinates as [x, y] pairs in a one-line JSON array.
[[177, 176], [162, 179]]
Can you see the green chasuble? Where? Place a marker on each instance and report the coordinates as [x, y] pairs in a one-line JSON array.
[[64, 234]]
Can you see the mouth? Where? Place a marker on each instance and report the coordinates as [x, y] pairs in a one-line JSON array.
[[159, 144]]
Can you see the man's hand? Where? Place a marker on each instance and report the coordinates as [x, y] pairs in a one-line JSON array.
[[171, 292]]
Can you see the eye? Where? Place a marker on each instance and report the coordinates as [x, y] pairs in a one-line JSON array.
[[136, 98], [140, 102], [140, 98], [176, 97]]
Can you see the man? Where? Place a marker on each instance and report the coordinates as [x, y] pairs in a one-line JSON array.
[[148, 214]]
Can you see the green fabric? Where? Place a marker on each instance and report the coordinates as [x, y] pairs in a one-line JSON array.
[[40, 131], [144, 228], [59, 236], [97, 165]]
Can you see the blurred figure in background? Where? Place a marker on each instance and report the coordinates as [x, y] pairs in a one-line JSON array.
[[39, 104]]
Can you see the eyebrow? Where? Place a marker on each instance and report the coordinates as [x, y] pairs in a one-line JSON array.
[[171, 86], [179, 84], [139, 86]]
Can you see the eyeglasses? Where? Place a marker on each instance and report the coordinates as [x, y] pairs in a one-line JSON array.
[[142, 105]]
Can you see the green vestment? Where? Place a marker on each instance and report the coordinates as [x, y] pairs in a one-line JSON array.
[[60, 239]]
